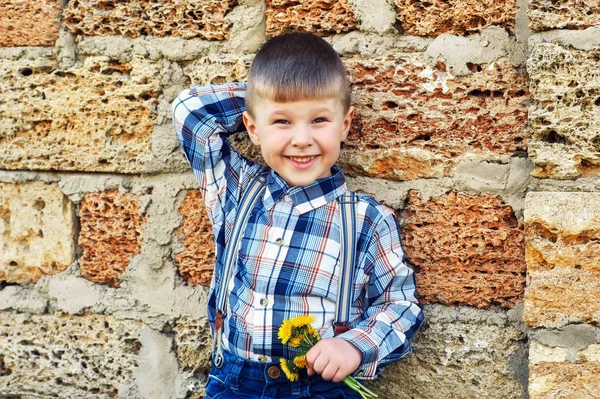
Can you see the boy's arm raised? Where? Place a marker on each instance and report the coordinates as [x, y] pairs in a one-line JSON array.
[[393, 314], [201, 117]]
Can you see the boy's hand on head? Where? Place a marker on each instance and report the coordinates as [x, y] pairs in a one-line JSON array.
[[333, 358]]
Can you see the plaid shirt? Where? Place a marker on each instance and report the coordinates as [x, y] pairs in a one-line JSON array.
[[288, 258]]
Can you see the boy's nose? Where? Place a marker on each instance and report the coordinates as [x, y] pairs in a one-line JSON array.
[[302, 137]]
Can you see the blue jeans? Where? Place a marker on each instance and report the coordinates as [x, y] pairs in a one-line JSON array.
[[240, 378]]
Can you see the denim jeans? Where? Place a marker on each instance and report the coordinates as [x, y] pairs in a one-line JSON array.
[[240, 378]]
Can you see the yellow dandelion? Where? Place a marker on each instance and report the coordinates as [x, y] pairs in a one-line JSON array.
[[290, 370], [295, 342], [312, 332], [300, 361], [285, 331], [302, 321]]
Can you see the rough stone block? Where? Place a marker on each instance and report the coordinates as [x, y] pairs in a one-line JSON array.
[[324, 17], [566, 14], [193, 344], [456, 17], [197, 261], [185, 18], [565, 114], [560, 373], [418, 121], [37, 231], [95, 117], [215, 69], [66, 357], [460, 353], [562, 251], [29, 23], [111, 234], [467, 250]]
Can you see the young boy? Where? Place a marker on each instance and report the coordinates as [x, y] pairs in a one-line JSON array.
[[296, 107]]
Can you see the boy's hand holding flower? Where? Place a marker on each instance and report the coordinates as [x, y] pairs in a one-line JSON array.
[[333, 358]]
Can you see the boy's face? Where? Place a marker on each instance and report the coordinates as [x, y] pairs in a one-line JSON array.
[[300, 140]]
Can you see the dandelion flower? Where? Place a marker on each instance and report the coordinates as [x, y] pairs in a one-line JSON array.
[[300, 361], [295, 342], [285, 331], [313, 332], [302, 321], [290, 370]]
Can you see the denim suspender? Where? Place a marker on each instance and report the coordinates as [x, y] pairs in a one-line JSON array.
[[247, 202]]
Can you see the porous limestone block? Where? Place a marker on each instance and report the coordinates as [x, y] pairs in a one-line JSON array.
[[566, 14], [323, 17], [183, 18], [66, 356], [94, 117], [29, 23], [111, 234], [562, 233], [196, 262], [37, 231], [193, 344], [456, 17], [215, 69], [565, 113], [466, 249], [460, 353], [558, 373], [414, 120]]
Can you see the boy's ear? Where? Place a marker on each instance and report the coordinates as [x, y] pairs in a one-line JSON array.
[[250, 127], [347, 122]]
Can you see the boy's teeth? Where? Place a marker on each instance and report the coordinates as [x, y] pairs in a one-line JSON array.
[[301, 159]]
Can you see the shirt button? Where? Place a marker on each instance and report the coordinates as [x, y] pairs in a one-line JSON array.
[[264, 301], [262, 358], [279, 242]]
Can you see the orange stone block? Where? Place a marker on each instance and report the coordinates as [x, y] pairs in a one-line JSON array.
[[186, 18], [467, 250], [111, 234], [414, 120], [196, 262], [29, 23], [324, 17], [455, 17]]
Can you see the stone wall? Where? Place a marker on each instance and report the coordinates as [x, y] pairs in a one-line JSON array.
[[478, 121]]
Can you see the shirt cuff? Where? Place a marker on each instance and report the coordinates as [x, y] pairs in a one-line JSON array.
[[369, 348]]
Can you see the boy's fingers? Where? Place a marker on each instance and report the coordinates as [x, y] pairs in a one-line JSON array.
[[321, 365], [311, 356], [329, 372], [339, 376]]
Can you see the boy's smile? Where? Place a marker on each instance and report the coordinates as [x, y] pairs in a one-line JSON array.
[[300, 140]]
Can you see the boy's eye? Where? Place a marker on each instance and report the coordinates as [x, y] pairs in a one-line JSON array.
[[320, 120], [281, 121]]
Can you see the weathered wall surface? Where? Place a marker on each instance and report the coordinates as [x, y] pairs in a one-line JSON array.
[[476, 120]]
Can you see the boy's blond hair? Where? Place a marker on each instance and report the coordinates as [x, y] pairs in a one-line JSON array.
[[295, 67]]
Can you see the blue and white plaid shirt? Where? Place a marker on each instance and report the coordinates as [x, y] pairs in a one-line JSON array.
[[289, 256]]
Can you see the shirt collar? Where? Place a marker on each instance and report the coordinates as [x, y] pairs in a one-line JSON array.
[[306, 198]]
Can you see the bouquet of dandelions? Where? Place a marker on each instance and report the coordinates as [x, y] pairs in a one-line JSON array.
[[298, 333]]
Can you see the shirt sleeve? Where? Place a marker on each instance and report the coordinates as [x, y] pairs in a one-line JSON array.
[[392, 311], [202, 117]]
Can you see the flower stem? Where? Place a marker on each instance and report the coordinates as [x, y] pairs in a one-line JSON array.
[[363, 391]]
